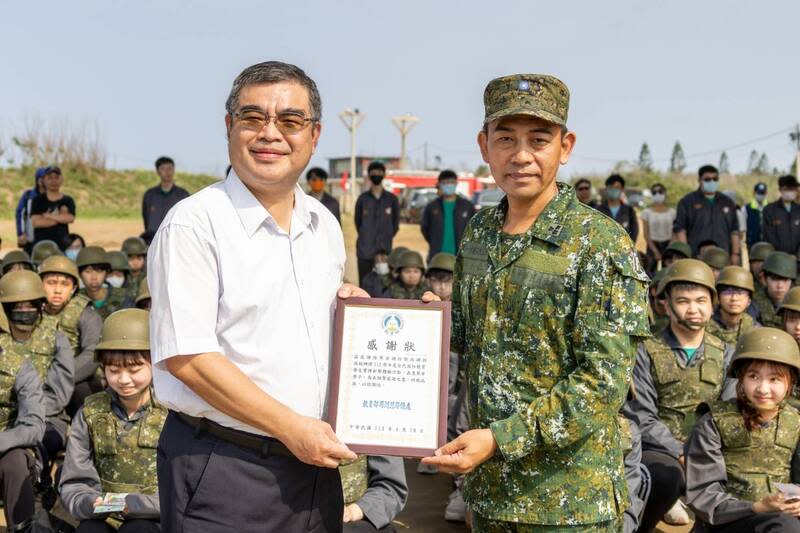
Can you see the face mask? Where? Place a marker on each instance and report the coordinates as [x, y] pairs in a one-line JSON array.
[[376, 180], [710, 187], [614, 194], [788, 196], [115, 281], [760, 198], [448, 189], [382, 268], [72, 253], [24, 318], [317, 186], [659, 198]]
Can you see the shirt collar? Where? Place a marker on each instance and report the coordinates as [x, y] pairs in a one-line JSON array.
[[550, 223], [252, 213]]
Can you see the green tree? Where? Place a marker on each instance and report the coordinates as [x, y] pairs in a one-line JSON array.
[[677, 162], [724, 164], [752, 165], [481, 171], [763, 165], [645, 158]]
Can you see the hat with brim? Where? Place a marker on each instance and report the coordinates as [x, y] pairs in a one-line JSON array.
[[532, 95]]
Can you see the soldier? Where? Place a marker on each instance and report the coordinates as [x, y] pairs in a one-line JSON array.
[[789, 311], [549, 299], [716, 258], [42, 250], [143, 299], [23, 298], [738, 452], [678, 371], [379, 278], [76, 318], [94, 265], [136, 250], [758, 254], [112, 444], [675, 250], [410, 283], [16, 260], [734, 290], [777, 276], [375, 491]]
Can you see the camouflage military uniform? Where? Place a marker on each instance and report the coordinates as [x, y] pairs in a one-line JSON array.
[[116, 299], [546, 331], [730, 335], [767, 312], [398, 291], [132, 287], [355, 478]]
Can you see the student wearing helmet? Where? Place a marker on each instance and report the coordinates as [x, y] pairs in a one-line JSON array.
[[94, 265], [740, 451], [16, 260], [42, 250], [136, 250], [734, 291], [113, 440], [758, 254], [410, 283], [777, 276]]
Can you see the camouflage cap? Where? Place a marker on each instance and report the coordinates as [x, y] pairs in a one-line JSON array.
[[534, 95]]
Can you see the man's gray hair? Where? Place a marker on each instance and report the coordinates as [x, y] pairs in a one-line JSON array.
[[274, 72]]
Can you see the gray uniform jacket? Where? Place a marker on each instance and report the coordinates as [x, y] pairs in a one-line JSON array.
[[638, 479], [59, 382], [80, 483], [90, 324], [655, 435], [28, 428], [706, 477], [387, 490]]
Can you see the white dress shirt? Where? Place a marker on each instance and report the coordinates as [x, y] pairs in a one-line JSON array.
[[224, 277]]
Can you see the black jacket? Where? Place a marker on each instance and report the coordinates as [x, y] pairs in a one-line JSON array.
[[626, 217], [705, 220], [432, 224], [331, 203], [782, 229], [377, 222]]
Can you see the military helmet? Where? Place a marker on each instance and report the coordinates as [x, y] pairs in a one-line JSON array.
[[15, 257], [44, 249], [678, 247], [715, 257], [767, 344], [760, 250], [144, 292], [394, 257], [689, 271], [736, 276], [93, 255], [657, 277], [442, 261], [59, 264], [127, 329], [119, 261], [791, 301], [411, 259], [781, 264], [21, 286], [134, 246]]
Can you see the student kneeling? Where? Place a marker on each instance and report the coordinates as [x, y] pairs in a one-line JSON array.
[[112, 444]]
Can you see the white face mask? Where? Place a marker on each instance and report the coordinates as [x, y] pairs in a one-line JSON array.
[[115, 281], [788, 196], [659, 198], [760, 198], [382, 268]]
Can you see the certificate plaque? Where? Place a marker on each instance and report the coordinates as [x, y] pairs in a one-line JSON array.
[[388, 393]]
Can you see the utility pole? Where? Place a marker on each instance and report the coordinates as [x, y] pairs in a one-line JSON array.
[[352, 120], [795, 137], [425, 158], [404, 123]]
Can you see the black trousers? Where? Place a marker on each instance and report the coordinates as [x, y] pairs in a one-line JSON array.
[[210, 485], [129, 526], [364, 268], [760, 523], [667, 483], [15, 480], [365, 526]]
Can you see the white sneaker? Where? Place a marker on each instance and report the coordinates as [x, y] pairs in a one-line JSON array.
[[456, 510], [427, 469], [677, 515]]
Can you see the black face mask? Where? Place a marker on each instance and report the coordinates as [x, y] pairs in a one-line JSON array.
[[376, 180], [24, 318]]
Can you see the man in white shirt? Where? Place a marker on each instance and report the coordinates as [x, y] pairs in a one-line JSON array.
[[244, 277]]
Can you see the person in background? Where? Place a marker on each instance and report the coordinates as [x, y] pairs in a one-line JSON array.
[[657, 223], [410, 283], [42, 250], [75, 243], [445, 218], [758, 254], [583, 190], [781, 220], [754, 212], [675, 250], [614, 207], [317, 180], [136, 250], [789, 311], [143, 299], [94, 266], [715, 257], [377, 218], [380, 277], [53, 211], [777, 276], [25, 235], [375, 491], [16, 260], [158, 200], [735, 291]]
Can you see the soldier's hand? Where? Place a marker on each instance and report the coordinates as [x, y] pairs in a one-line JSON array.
[[348, 290], [776, 503], [314, 442], [428, 296], [465, 453], [353, 513]]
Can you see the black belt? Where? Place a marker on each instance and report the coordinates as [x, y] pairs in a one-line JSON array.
[[264, 445]]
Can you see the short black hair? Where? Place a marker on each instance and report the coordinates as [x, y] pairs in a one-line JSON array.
[[659, 185], [447, 174], [164, 160], [439, 274], [72, 237], [123, 358], [581, 182], [376, 165], [787, 181], [615, 178], [707, 242], [686, 286], [380, 251], [270, 72], [707, 169], [316, 172]]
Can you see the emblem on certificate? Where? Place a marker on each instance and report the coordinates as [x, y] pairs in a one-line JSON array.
[[388, 393]]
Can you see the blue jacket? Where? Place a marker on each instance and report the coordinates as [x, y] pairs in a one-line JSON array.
[[755, 214], [23, 213]]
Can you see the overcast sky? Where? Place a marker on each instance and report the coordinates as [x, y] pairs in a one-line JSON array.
[[713, 74]]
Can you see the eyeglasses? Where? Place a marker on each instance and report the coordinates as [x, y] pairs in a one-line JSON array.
[[287, 123]]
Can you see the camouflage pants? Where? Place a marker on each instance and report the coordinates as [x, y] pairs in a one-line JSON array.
[[484, 525]]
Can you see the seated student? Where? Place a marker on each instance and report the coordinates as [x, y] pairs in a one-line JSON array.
[[716, 258], [37, 339], [706, 245], [394, 264], [375, 491], [94, 266], [112, 444], [136, 250], [675, 372], [76, 318], [410, 283], [637, 476], [16, 260], [42, 250], [789, 311], [675, 250], [143, 299], [21, 423], [730, 319], [740, 450], [657, 313], [376, 281], [777, 276], [758, 254]]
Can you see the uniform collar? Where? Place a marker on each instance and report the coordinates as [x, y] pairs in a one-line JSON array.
[[253, 215]]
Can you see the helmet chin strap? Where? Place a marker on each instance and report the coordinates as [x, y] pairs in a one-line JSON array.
[[682, 321]]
